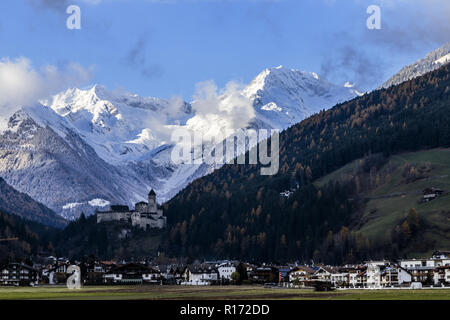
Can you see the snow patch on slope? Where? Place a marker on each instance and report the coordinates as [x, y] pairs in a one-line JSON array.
[[444, 60]]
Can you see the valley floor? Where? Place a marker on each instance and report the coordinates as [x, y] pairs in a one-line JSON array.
[[211, 293]]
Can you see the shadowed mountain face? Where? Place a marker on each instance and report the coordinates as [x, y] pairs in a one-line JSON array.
[[20, 204], [59, 169]]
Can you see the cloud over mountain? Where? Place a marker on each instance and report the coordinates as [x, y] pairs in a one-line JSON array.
[[22, 84]]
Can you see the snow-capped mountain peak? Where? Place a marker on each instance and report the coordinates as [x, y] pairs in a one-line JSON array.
[[432, 61], [73, 100], [92, 143], [283, 96], [278, 76], [116, 124]]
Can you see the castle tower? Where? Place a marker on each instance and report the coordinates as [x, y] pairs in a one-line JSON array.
[[152, 207]]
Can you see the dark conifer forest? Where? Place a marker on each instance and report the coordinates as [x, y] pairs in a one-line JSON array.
[[237, 213]]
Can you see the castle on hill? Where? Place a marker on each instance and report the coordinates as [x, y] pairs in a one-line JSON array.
[[145, 215]]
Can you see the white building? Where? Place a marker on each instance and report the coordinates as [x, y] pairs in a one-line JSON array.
[[226, 270], [442, 276], [384, 274], [300, 274], [132, 273], [324, 273], [200, 276], [436, 261], [339, 277]]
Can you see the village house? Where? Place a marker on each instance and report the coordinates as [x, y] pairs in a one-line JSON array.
[[323, 273], [374, 273], [361, 278], [300, 276], [384, 274], [93, 273], [132, 273], [200, 276], [339, 277], [171, 274], [226, 270], [422, 274], [356, 275], [57, 273], [283, 274], [145, 215], [164, 271], [442, 276], [249, 268], [441, 254], [392, 276], [265, 274], [424, 270], [176, 274], [436, 261], [18, 274]]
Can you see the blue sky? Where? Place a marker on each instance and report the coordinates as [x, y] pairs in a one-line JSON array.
[[163, 48]]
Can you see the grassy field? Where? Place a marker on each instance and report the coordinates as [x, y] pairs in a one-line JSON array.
[[389, 202], [211, 293]]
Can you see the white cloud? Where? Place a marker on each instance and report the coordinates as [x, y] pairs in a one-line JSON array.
[[223, 111], [21, 84], [216, 113]]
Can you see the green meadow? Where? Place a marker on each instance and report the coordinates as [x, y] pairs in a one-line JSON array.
[[211, 293], [388, 204]]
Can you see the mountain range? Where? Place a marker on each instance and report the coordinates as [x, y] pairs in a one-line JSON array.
[[88, 148], [85, 149]]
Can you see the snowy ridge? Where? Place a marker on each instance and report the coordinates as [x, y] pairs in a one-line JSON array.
[[87, 148], [283, 97], [116, 126], [431, 62]]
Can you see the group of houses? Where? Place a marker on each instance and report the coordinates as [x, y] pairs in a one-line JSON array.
[[55, 272], [409, 273]]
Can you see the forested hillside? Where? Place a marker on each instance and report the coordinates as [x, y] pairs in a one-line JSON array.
[[237, 213], [20, 238], [84, 237]]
